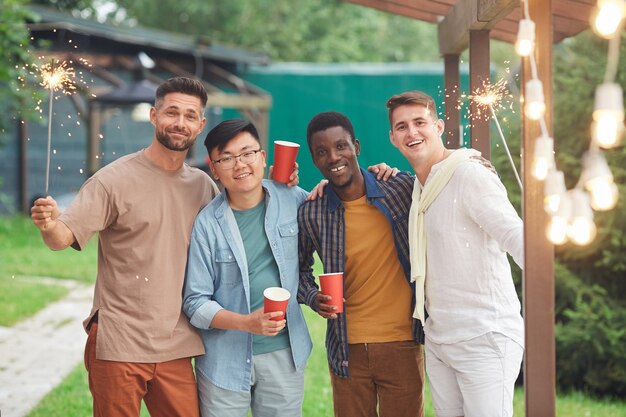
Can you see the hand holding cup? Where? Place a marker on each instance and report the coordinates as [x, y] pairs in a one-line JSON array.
[[332, 285]]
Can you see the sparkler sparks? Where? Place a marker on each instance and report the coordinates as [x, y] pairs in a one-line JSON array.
[[55, 76], [491, 97]]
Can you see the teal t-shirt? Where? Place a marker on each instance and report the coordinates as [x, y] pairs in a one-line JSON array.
[[262, 271]]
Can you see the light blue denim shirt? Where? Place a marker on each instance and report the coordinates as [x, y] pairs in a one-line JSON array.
[[217, 278]]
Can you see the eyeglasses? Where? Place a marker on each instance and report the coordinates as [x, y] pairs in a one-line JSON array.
[[228, 162]]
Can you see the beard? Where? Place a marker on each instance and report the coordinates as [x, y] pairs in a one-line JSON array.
[[165, 140]]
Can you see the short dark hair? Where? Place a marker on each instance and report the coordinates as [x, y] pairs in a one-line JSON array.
[[221, 134], [411, 97], [326, 120], [182, 85]]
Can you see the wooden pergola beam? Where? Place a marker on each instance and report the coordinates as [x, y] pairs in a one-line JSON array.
[[469, 15], [452, 95], [480, 134], [538, 282]]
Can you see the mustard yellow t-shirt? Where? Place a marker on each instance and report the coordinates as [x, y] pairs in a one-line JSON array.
[[378, 295]]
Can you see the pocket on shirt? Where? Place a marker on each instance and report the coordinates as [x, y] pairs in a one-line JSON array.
[[227, 268], [289, 239]]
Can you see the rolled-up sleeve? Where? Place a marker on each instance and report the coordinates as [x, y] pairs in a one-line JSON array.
[[198, 303]]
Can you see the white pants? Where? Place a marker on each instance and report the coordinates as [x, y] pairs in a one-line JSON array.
[[277, 390], [474, 378]]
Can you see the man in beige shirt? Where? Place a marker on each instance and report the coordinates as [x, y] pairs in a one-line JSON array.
[[143, 205]]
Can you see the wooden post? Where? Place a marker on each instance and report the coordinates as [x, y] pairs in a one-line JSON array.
[[479, 74], [452, 94], [538, 282]]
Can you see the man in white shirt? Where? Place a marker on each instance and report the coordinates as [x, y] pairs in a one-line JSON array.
[[460, 227]]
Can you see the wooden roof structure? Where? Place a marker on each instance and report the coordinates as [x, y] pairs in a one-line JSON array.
[[471, 24], [114, 54], [500, 16]]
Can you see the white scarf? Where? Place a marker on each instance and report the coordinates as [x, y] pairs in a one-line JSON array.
[[422, 199]]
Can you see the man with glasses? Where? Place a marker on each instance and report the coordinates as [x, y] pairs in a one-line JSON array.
[[245, 241]]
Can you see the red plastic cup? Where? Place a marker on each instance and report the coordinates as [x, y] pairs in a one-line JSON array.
[[332, 284], [284, 160], [276, 299]]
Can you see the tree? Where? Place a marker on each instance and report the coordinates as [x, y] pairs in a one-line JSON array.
[[16, 97], [294, 30], [590, 328]]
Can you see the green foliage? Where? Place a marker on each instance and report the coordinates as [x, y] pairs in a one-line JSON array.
[[15, 97], [294, 30], [579, 67], [591, 334], [68, 5]]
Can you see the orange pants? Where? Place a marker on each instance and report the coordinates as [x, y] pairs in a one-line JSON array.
[[168, 388]]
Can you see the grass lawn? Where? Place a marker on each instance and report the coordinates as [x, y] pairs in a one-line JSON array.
[[72, 398], [22, 254], [21, 298]]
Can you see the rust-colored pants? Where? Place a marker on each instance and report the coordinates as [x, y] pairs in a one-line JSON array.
[[168, 388], [386, 379]]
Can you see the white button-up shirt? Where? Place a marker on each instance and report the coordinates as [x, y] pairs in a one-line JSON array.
[[469, 289]]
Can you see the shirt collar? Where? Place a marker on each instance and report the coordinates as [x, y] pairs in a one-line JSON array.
[[372, 190]]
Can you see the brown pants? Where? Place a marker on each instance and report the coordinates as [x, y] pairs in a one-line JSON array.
[[168, 388], [390, 374]]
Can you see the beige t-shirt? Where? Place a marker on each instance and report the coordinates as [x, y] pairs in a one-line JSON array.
[[144, 215]]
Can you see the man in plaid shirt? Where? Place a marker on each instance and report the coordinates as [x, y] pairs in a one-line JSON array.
[[359, 227]]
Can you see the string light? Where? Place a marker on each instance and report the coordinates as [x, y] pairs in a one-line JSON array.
[[598, 179], [608, 17], [582, 229], [558, 225], [535, 106], [608, 115], [571, 215], [543, 161], [554, 189], [525, 44]]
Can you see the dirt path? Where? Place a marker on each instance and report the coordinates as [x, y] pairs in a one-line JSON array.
[[38, 353]]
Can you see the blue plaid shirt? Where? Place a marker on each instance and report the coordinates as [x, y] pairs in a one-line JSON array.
[[322, 229]]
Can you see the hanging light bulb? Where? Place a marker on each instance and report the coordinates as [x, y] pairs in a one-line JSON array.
[[608, 115], [543, 161], [598, 179], [556, 230], [553, 190], [525, 43], [535, 105], [582, 229], [604, 196], [608, 17]]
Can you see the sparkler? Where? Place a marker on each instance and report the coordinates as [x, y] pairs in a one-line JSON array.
[[491, 96], [55, 76]]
